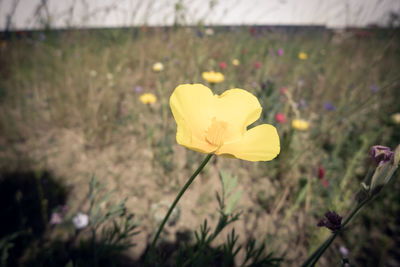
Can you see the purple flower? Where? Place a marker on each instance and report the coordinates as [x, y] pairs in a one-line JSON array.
[[328, 106], [42, 36], [332, 221], [374, 88], [199, 34], [64, 209], [254, 84], [138, 89], [280, 52], [271, 52], [381, 154], [303, 103]]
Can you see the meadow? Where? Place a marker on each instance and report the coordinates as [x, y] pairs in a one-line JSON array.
[[74, 126]]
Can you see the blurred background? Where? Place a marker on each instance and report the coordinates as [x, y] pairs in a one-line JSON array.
[[89, 162]]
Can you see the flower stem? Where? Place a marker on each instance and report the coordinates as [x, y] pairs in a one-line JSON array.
[[313, 259], [180, 194]]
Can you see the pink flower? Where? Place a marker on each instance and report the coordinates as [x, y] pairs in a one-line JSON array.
[[280, 52], [280, 117], [222, 65], [244, 51], [257, 64], [56, 218], [283, 90], [321, 176]]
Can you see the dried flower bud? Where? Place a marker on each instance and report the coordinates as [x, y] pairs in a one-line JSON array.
[[381, 154], [332, 221]]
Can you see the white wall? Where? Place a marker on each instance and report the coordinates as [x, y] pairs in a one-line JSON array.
[[30, 14]]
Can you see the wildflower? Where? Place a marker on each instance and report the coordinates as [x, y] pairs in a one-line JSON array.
[[209, 31], [199, 34], [254, 84], [148, 98], [235, 62], [93, 73], [321, 176], [253, 31], [244, 51], [300, 124], [257, 64], [344, 251], [280, 117], [138, 88], [42, 36], [328, 106], [303, 56], [280, 52], [374, 88], [157, 67], [303, 103], [396, 118], [381, 154], [222, 65], [81, 220], [283, 90], [56, 218], [213, 77], [332, 221], [217, 124], [271, 52]]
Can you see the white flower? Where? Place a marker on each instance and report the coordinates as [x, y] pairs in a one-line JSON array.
[[209, 31], [109, 76], [344, 251], [93, 73], [81, 220]]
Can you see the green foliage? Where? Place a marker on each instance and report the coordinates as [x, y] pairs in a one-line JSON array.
[[204, 253]]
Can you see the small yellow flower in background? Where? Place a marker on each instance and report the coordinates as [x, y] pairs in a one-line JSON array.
[[300, 125], [217, 124], [148, 98], [109, 76], [213, 77], [396, 118], [235, 62], [93, 73], [157, 67], [303, 56]]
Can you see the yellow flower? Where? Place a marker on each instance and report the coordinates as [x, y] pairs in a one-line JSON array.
[[217, 124], [148, 98], [396, 118], [300, 125], [213, 77], [157, 67], [235, 62], [303, 56]]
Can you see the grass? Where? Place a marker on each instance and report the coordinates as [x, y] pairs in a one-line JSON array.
[[68, 104]]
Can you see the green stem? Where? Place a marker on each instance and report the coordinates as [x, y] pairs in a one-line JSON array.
[[313, 259], [191, 179]]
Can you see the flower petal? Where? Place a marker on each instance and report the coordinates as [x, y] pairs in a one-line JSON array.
[[239, 109], [260, 143], [192, 106]]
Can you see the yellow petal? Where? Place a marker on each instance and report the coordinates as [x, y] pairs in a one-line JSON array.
[[260, 143], [238, 108], [193, 106]]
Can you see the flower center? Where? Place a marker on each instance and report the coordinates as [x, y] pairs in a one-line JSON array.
[[215, 133]]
